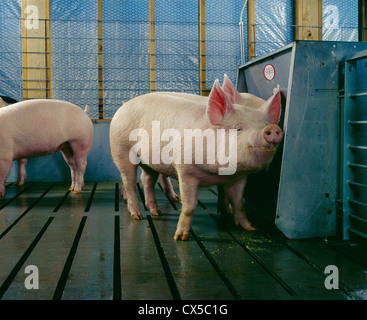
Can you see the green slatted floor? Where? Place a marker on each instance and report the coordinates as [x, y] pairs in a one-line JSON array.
[[87, 247]]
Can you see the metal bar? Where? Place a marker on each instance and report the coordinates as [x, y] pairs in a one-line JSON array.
[[362, 204], [347, 140], [357, 147], [358, 56], [357, 95], [357, 184], [358, 218], [357, 165], [357, 122], [357, 233]]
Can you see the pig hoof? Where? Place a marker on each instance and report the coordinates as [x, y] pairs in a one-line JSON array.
[[76, 191], [175, 198], [155, 212], [250, 228], [136, 216], [181, 235], [172, 196], [247, 226]]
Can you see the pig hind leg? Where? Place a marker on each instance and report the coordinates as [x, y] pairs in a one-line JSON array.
[[167, 188], [22, 174], [129, 179], [75, 154], [128, 173], [149, 180], [67, 153]]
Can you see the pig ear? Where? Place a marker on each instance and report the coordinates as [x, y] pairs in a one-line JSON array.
[[230, 90], [218, 105], [272, 106]]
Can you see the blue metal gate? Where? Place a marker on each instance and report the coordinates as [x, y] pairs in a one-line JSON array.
[[354, 147]]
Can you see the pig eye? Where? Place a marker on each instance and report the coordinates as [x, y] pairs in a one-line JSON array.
[[239, 129]]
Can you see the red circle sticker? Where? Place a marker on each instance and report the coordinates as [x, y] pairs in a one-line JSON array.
[[269, 72]]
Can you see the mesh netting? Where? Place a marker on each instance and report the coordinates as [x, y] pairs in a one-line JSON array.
[[126, 45]]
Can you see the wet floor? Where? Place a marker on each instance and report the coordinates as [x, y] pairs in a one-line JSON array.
[[87, 247]]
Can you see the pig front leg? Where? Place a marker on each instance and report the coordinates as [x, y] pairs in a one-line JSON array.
[[22, 174], [235, 196], [75, 155], [189, 193], [123, 193]]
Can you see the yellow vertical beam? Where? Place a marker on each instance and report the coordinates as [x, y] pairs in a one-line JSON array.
[[202, 50], [251, 37], [36, 49], [100, 61], [151, 46], [48, 50], [362, 20], [308, 19], [25, 72]]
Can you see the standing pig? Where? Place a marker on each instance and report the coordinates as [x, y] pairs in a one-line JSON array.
[[41, 127], [252, 133], [243, 99], [22, 174]]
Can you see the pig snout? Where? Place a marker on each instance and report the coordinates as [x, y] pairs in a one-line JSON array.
[[273, 134]]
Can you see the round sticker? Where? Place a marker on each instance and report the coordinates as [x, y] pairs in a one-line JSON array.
[[269, 72]]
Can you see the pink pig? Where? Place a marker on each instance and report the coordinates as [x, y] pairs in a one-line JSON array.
[[255, 138], [41, 127], [22, 174], [245, 99]]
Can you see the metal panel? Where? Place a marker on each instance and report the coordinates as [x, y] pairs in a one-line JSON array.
[[308, 186], [354, 182], [304, 186]]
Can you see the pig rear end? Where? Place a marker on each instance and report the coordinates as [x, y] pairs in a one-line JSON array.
[[22, 163], [41, 127]]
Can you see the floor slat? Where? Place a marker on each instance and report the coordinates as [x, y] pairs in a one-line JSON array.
[[86, 246]]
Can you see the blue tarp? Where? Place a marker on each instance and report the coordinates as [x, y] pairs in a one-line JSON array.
[[74, 44], [10, 49]]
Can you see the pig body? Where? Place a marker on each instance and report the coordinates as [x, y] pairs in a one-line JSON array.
[[41, 127], [246, 100], [256, 139], [22, 163]]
